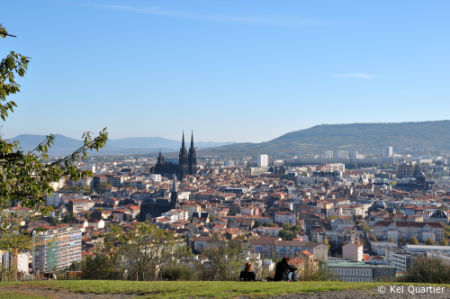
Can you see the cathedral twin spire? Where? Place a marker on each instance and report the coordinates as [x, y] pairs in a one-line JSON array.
[[192, 157], [187, 161]]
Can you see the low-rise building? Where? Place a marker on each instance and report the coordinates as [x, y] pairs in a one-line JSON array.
[[176, 215], [80, 204], [401, 261], [285, 217], [353, 251], [421, 249], [407, 230], [273, 247], [360, 271]]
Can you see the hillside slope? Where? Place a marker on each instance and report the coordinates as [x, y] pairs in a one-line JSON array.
[[432, 136]]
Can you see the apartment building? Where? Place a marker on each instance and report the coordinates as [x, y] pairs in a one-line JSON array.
[[56, 248]]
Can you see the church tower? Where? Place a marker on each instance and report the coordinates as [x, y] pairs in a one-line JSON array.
[[160, 159], [192, 157], [174, 195], [182, 161]]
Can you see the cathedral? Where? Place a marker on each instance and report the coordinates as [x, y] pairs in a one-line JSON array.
[[160, 203], [187, 162]]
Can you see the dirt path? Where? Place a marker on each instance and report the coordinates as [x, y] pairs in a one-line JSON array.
[[350, 294], [363, 294], [57, 294]]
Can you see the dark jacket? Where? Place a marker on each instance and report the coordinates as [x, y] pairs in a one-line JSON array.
[[247, 276], [282, 270]]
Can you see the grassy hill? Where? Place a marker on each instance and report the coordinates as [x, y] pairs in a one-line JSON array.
[[179, 289], [432, 136]]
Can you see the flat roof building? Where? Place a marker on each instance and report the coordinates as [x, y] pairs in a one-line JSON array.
[[56, 248], [360, 271]]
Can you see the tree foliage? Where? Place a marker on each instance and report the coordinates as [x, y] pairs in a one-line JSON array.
[[143, 252], [101, 266], [414, 241], [288, 232], [322, 273], [222, 260], [11, 237], [27, 177], [326, 242], [365, 227], [427, 270]]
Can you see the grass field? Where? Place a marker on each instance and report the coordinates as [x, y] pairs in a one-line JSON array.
[[183, 289]]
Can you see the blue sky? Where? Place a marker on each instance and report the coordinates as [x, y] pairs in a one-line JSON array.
[[247, 70]]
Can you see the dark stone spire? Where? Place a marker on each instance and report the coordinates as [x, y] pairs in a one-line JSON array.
[[160, 159], [192, 142], [182, 160], [192, 157], [183, 146]]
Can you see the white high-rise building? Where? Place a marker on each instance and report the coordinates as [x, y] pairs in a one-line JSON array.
[[390, 151], [263, 161], [328, 154], [342, 154]]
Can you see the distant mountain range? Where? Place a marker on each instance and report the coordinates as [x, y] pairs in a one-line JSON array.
[[426, 137], [133, 145]]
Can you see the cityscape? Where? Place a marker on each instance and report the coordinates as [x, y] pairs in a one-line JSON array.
[[364, 223], [247, 150]]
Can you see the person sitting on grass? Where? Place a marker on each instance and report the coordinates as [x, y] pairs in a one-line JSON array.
[[284, 271], [248, 274]]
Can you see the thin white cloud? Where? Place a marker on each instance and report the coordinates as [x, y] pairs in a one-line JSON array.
[[354, 75], [264, 20]]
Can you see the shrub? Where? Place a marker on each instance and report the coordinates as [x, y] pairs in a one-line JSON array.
[[178, 272], [414, 241], [427, 270]]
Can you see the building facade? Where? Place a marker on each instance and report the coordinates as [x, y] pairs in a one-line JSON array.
[[156, 206], [263, 161], [56, 248], [353, 251], [359, 271]]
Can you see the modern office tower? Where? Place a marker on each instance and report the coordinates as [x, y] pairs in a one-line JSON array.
[[56, 248], [263, 161]]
